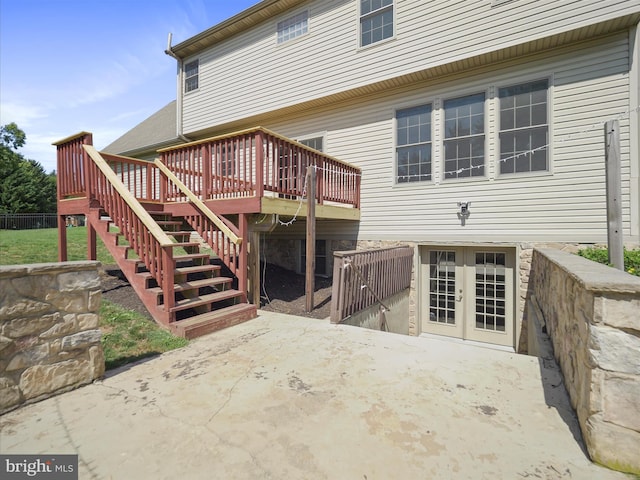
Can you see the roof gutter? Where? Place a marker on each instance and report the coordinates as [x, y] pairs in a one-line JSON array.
[[169, 51]]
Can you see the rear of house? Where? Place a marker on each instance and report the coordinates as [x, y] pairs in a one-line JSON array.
[[477, 125]]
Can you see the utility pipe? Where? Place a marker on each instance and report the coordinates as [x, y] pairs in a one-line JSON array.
[[169, 51]]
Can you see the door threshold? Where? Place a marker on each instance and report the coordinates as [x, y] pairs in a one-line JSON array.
[[461, 341]]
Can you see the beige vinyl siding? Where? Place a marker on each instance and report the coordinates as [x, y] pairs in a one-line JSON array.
[[589, 84], [250, 74]]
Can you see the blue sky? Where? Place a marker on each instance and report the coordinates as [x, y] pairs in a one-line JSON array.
[[93, 65]]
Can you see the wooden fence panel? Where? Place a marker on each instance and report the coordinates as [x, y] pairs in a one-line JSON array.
[[362, 278]]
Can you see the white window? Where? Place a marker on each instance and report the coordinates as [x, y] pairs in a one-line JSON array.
[[191, 76], [376, 21], [413, 144], [317, 143], [464, 137], [293, 27], [524, 128]]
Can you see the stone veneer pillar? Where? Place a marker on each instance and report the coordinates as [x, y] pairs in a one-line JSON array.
[[49, 336]]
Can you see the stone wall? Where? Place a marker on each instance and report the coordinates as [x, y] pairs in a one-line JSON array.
[[49, 336], [590, 312], [525, 257]]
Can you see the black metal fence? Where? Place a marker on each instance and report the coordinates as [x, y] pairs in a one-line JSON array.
[[27, 221]]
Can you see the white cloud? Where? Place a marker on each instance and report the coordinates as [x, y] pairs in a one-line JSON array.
[[39, 148], [21, 114], [109, 81]]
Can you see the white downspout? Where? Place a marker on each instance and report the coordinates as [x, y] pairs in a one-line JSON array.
[[179, 94]]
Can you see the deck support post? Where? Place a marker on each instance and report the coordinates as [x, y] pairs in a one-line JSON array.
[[243, 254], [311, 238], [62, 238], [254, 268], [92, 253]]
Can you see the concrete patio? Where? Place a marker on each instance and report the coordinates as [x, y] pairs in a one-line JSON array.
[[287, 397]]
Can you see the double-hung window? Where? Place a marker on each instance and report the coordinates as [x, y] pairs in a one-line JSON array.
[[464, 137], [524, 129], [293, 27], [413, 144], [191, 76], [376, 21]]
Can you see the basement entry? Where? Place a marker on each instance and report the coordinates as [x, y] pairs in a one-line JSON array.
[[468, 293]]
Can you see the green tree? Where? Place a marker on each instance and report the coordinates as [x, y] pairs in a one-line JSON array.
[[24, 185], [12, 136]]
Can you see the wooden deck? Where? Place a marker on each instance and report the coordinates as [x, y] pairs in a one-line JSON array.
[[211, 187]]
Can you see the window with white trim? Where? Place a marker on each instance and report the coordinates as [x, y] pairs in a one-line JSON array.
[[413, 144], [191, 76], [293, 27], [376, 21], [524, 128], [314, 142], [464, 137]]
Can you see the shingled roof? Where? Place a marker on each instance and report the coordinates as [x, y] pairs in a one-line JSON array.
[[157, 131]]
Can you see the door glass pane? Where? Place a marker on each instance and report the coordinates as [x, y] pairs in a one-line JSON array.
[[490, 291], [442, 287]]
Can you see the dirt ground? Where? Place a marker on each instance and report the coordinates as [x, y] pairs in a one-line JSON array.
[[283, 291]]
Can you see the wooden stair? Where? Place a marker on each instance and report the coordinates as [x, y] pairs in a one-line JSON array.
[[205, 299]]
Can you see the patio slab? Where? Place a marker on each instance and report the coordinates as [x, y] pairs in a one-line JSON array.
[[286, 397]]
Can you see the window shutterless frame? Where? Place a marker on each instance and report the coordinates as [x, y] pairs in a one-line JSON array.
[[523, 111], [413, 151], [293, 27], [316, 141], [191, 74], [464, 124], [376, 21]]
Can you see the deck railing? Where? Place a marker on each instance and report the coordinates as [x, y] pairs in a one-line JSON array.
[[72, 165], [224, 167], [141, 177], [362, 278], [252, 162]]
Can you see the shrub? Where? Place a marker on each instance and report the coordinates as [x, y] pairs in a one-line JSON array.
[[601, 255]]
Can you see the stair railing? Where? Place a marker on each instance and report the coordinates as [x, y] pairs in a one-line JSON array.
[[152, 245], [219, 233]]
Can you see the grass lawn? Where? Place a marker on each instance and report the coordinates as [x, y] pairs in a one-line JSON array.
[[127, 336], [41, 246]]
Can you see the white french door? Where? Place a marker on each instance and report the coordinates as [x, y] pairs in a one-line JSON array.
[[468, 293]]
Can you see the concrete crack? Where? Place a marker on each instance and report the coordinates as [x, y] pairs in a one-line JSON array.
[[75, 447], [251, 367], [230, 392]]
